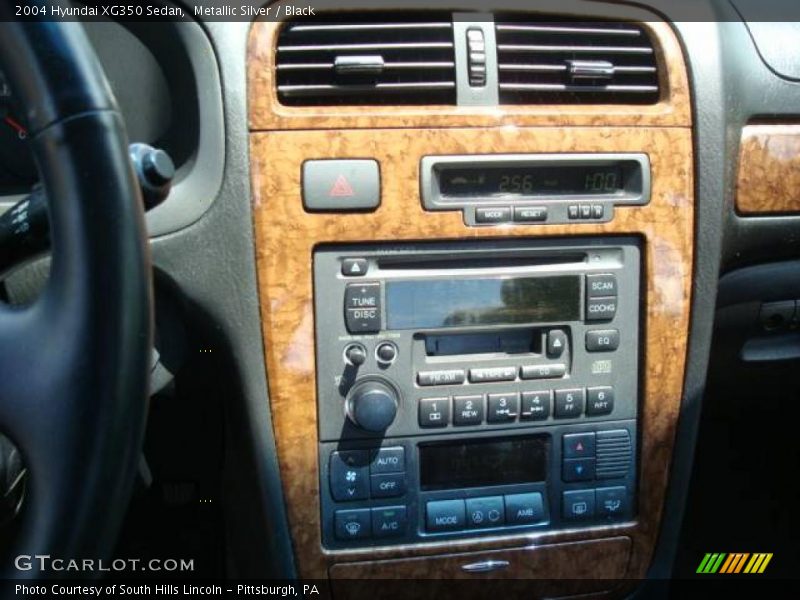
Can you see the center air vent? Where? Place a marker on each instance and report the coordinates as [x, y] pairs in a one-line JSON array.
[[361, 59], [574, 62]]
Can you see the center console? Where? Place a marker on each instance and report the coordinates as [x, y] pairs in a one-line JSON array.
[[475, 388]]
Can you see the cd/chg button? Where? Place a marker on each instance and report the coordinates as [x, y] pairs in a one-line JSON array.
[[601, 309], [449, 377], [492, 374]]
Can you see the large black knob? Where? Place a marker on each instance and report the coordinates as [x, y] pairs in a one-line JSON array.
[[372, 405]]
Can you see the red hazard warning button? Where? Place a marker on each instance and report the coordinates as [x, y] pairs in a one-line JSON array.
[[341, 185]]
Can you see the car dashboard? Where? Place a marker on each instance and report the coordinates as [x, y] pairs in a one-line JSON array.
[[462, 268]]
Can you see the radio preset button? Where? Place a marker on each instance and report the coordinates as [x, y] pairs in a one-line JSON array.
[[389, 460], [578, 445], [434, 412], [535, 405], [492, 374], [577, 469], [450, 377], [597, 211], [353, 524], [485, 512], [388, 521], [445, 515], [602, 340], [578, 505], [492, 214], [502, 407], [573, 212], [552, 371], [599, 400], [524, 508], [601, 309], [468, 410], [354, 267], [586, 211], [601, 284], [569, 403], [556, 343], [388, 485], [530, 214], [348, 475]]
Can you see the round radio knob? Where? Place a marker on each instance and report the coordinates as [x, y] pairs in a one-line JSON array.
[[372, 405]]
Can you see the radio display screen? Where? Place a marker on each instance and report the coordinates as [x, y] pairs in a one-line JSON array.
[[438, 303], [478, 463], [535, 180]]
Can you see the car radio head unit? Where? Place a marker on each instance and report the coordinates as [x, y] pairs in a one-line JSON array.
[[455, 380]]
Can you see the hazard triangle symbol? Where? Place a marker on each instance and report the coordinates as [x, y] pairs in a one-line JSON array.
[[341, 187]]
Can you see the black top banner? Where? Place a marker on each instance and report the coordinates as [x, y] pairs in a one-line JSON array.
[[250, 10]]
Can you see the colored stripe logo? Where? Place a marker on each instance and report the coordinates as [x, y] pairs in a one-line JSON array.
[[737, 562]]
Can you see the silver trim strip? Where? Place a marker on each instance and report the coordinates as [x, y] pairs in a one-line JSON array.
[[346, 47], [566, 29], [582, 49]]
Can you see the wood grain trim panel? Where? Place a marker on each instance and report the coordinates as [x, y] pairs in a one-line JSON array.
[[286, 235], [267, 113], [769, 170], [555, 570]]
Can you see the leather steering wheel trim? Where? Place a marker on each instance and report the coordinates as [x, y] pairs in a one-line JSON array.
[[74, 365]]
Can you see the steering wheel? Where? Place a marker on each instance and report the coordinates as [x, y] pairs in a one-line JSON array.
[[74, 364]]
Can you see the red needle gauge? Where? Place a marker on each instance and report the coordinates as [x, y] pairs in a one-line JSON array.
[[22, 133]]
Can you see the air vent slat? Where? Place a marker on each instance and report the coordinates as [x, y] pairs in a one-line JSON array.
[[574, 62], [367, 58], [573, 49]]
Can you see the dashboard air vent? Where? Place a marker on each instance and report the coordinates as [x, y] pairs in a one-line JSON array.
[[367, 59], [575, 62]]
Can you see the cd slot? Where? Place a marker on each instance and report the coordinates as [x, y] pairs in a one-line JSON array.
[[468, 262]]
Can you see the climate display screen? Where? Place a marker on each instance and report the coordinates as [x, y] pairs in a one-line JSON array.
[[478, 463], [438, 303], [537, 180]]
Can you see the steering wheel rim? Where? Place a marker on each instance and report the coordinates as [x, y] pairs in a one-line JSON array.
[[74, 365]]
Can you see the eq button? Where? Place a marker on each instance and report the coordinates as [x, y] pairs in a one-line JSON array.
[[602, 340]]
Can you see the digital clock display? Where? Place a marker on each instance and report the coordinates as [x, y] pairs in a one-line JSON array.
[[479, 463], [538, 180]]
